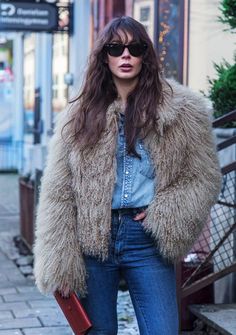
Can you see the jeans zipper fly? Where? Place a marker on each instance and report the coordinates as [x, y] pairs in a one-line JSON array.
[[119, 217]]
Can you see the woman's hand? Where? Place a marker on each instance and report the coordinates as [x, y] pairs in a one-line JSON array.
[[65, 291], [140, 216]]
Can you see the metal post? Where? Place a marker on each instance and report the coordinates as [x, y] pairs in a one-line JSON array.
[[79, 43], [183, 41], [37, 102], [18, 85], [18, 96], [46, 86], [156, 25], [37, 116]]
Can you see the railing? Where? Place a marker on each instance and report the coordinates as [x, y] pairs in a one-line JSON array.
[[214, 254], [11, 155], [221, 121]]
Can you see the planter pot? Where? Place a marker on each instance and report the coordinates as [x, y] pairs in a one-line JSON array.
[[26, 211]]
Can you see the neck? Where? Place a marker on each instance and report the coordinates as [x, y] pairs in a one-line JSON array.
[[124, 87]]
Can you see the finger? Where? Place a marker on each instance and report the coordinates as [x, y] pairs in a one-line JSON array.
[[65, 295], [140, 216], [64, 292], [67, 292]]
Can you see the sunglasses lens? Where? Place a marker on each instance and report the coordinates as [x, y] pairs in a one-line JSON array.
[[115, 50], [136, 50]]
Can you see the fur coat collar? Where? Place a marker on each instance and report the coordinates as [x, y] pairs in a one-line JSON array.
[[74, 211]]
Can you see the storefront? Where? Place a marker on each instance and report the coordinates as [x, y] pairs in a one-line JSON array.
[[166, 21], [59, 68], [56, 60], [10, 146]]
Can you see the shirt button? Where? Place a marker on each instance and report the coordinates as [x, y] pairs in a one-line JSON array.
[[127, 172], [126, 195]]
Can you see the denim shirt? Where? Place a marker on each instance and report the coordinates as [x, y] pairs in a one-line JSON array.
[[135, 184]]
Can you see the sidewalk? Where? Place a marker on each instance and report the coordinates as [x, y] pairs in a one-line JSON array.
[[23, 310]]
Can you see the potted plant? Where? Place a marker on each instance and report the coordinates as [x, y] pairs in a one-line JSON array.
[[27, 199], [223, 90]]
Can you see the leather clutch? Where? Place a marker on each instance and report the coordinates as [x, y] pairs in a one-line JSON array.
[[74, 313]]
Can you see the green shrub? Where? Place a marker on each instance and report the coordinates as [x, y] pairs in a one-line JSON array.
[[223, 89], [228, 9]]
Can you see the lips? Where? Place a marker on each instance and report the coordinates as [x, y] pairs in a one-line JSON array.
[[126, 66]]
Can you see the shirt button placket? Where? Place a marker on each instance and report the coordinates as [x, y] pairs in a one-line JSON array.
[[126, 190], [127, 176]]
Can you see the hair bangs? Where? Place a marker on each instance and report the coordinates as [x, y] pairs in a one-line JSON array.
[[120, 31]]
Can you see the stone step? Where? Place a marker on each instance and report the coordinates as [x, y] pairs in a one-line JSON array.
[[220, 317]]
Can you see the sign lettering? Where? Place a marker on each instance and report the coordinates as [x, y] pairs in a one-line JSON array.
[[24, 16]]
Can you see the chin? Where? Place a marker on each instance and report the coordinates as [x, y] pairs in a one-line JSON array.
[[127, 76]]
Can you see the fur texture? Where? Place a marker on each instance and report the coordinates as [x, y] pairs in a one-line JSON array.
[[74, 212]]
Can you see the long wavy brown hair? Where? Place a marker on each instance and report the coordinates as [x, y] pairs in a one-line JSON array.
[[99, 91]]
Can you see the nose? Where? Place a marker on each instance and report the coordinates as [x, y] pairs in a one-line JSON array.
[[126, 53]]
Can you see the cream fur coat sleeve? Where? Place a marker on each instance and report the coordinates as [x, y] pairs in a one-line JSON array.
[[189, 171], [56, 256]]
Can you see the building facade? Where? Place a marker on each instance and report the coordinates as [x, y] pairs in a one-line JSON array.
[[48, 69]]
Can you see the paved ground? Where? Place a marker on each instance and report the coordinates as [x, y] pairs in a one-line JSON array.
[[23, 310]]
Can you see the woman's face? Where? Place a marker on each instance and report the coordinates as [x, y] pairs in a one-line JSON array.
[[124, 66]]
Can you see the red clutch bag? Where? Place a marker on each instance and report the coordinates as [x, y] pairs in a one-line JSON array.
[[74, 312]]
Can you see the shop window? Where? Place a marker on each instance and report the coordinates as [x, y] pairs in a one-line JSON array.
[[59, 69], [55, 93], [144, 14], [166, 22], [29, 85]]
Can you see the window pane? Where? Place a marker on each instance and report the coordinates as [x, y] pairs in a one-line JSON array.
[[59, 69], [169, 34], [29, 85]]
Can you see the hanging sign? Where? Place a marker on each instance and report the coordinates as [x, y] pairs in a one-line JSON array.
[[25, 16]]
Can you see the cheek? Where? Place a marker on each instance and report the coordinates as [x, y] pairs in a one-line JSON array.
[[112, 63], [138, 65]]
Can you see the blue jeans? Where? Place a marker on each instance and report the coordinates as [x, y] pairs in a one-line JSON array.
[[151, 282]]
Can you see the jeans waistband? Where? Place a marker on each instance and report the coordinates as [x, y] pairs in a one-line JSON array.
[[134, 210]]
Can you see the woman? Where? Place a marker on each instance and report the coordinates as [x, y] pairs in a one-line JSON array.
[[130, 179]]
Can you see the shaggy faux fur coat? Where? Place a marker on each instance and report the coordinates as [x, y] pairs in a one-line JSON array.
[[74, 211]]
